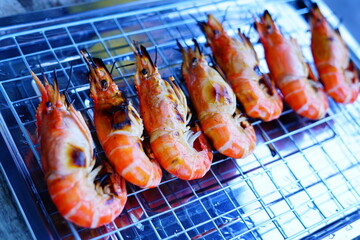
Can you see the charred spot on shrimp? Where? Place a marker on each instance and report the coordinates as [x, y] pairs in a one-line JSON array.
[[120, 120], [77, 156], [219, 92], [119, 116], [264, 81], [178, 115], [102, 179], [175, 160]]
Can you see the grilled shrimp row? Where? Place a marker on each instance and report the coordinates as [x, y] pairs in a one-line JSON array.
[[301, 90], [92, 194], [288, 70]]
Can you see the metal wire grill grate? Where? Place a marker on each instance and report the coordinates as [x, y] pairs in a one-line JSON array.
[[312, 180]]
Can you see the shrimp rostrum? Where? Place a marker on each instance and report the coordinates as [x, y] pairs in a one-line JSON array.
[[87, 196], [120, 129], [215, 103], [301, 90], [165, 113], [238, 60], [331, 55]]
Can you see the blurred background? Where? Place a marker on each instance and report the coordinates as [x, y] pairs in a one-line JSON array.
[[347, 10]]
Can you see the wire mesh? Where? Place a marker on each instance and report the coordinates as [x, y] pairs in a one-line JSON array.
[[311, 181]]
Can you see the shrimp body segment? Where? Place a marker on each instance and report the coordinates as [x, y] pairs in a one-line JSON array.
[[337, 72], [120, 128], [83, 195], [239, 62], [292, 75], [215, 104], [180, 151]]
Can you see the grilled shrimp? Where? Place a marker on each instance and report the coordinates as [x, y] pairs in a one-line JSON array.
[[120, 128], [292, 75], [83, 195], [239, 62], [215, 104], [164, 110], [337, 72]]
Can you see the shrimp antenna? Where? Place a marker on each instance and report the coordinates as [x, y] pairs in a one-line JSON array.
[[112, 67], [156, 54], [72, 101], [182, 37], [136, 44], [197, 45], [250, 28], [225, 15], [193, 17], [91, 58], [270, 145], [179, 46], [70, 75], [126, 65], [42, 73], [56, 86], [146, 53], [67, 97], [218, 69]]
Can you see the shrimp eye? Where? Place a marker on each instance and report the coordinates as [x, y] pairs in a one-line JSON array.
[[194, 61], [216, 32], [144, 71], [268, 27], [319, 20], [103, 83], [48, 104]]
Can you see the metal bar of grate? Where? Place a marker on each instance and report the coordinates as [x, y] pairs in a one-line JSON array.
[[259, 197]]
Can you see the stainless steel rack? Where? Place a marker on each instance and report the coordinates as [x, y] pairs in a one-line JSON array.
[[309, 188]]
